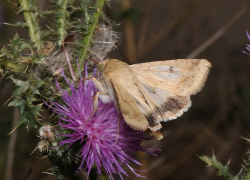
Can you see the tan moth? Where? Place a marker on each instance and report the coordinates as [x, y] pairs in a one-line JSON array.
[[148, 93]]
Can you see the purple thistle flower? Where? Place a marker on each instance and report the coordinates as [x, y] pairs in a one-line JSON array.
[[98, 133], [248, 46]]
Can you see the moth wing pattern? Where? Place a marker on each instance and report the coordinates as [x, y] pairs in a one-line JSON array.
[[166, 105], [128, 108], [183, 77], [145, 106]]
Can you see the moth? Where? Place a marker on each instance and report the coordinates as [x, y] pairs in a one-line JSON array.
[[148, 93]]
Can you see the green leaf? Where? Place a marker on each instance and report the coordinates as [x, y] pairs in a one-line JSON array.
[[36, 109], [42, 13], [24, 101], [222, 170], [19, 103], [34, 89], [28, 118], [17, 46], [30, 99], [22, 86], [45, 33], [3, 51], [247, 176]]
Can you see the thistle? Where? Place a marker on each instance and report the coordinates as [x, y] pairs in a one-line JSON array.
[[100, 139], [105, 140]]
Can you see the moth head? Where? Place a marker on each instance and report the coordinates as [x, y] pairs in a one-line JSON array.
[[102, 64]]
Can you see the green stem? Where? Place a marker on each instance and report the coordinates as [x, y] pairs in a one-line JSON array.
[[31, 21], [62, 17], [87, 40], [85, 4]]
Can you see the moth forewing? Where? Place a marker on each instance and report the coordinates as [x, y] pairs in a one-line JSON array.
[[120, 79], [182, 76], [148, 93]]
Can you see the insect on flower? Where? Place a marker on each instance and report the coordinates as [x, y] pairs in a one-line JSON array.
[[149, 93], [96, 134]]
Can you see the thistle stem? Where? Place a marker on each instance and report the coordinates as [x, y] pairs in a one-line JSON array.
[[61, 22], [87, 40], [31, 21]]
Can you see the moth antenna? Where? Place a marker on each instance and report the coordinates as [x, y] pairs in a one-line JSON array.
[[86, 68], [70, 65], [86, 48], [94, 61]]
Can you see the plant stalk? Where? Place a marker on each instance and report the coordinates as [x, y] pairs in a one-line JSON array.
[[87, 40], [62, 17], [31, 21]]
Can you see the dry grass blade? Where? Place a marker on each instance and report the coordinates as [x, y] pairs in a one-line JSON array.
[[129, 33], [144, 26], [218, 34], [167, 29]]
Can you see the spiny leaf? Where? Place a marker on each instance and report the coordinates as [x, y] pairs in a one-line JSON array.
[[223, 170], [36, 109], [45, 33], [34, 89], [19, 103], [28, 111], [42, 13], [246, 167], [247, 176], [24, 101], [22, 86], [17, 46], [29, 119], [3, 51], [18, 24], [30, 99]]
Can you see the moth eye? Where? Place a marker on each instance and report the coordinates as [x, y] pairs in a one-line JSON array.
[[100, 67]]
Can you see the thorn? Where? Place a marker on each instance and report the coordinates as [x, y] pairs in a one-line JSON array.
[[34, 150], [12, 131]]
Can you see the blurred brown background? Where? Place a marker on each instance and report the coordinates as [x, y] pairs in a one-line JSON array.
[[160, 30]]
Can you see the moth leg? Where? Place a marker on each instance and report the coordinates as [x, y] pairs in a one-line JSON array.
[[98, 84], [119, 120], [95, 104], [103, 94]]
